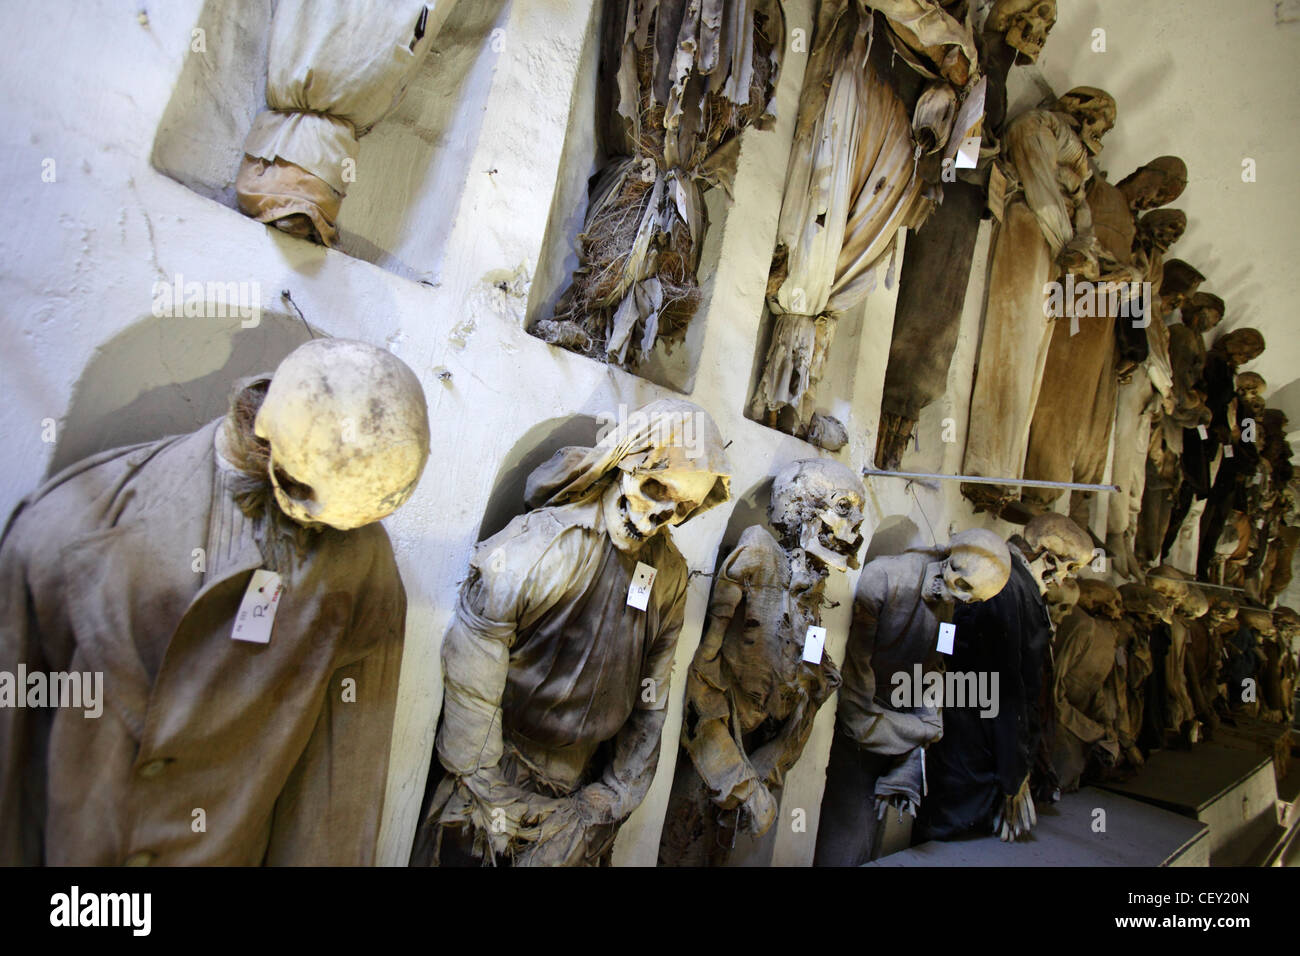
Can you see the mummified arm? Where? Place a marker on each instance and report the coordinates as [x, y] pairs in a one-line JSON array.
[[774, 759]]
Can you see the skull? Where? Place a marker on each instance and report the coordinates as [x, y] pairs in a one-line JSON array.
[[1179, 282], [933, 116], [348, 431], [1025, 24], [976, 568], [1250, 388], [1202, 311], [1258, 620], [1195, 604], [1161, 228], [1059, 547], [1146, 604], [1222, 614], [1158, 183], [641, 503], [1240, 345], [1100, 599], [1172, 583], [817, 506], [1091, 113], [1061, 599]]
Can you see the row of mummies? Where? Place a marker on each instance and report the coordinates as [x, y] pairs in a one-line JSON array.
[[556, 686]]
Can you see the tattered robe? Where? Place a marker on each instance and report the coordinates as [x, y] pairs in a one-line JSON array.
[[877, 748], [1085, 714], [334, 71], [750, 701], [1046, 170], [283, 745]]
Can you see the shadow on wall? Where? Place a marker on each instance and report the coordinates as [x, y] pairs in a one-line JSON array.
[[411, 167], [537, 445], [167, 376], [893, 535]]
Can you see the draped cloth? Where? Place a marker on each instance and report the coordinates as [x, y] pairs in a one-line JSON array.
[[852, 183], [555, 689], [1045, 169], [334, 71], [680, 80]]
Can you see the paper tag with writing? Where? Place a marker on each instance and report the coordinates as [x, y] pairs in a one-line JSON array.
[[257, 609], [638, 592], [1227, 451], [968, 153], [813, 644], [947, 635], [1203, 432]]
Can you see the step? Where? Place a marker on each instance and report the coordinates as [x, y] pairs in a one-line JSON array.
[[1136, 834], [1233, 791]]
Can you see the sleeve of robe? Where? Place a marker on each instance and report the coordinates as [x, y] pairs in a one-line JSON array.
[[707, 725], [334, 71], [1077, 630], [330, 808], [872, 726], [1010, 730], [1032, 146], [20, 799]]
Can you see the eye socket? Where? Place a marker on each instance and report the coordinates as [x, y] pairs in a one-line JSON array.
[[961, 584], [294, 489], [655, 490], [843, 506]]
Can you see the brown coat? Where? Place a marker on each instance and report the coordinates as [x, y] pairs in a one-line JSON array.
[[96, 569]]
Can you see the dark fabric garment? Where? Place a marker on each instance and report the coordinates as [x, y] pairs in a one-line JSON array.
[[1155, 713], [982, 760], [1242, 665], [846, 831]]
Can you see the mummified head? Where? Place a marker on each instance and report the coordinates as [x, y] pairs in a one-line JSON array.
[[1250, 387], [1091, 113], [348, 430], [976, 568], [1158, 183], [1202, 311], [1100, 599], [1258, 620], [1161, 228], [1240, 345], [1061, 599], [1058, 547], [1025, 23], [817, 506], [1179, 282], [1146, 604]]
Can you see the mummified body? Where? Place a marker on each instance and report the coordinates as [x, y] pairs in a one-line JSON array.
[[980, 774], [556, 686], [1044, 228], [877, 754], [937, 265], [751, 695], [679, 81], [856, 177], [136, 563]]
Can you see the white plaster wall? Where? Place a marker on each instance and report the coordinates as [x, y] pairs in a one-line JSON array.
[[81, 254]]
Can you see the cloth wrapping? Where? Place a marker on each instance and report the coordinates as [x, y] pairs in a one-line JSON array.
[[680, 80], [893, 630], [555, 690], [334, 71], [981, 761], [262, 737], [1085, 715], [751, 699], [851, 185]]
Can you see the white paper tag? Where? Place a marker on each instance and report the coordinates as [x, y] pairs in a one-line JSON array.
[[968, 153], [947, 635], [257, 610], [1203, 432], [638, 592], [813, 644], [1227, 451]]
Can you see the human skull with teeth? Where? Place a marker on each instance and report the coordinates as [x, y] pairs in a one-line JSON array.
[[348, 430], [1061, 599], [817, 506], [1161, 228], [976, 568], [640, 504], [1025, 23], [1158, 183], [1100, 599], [1091, 113], [1055, 548]]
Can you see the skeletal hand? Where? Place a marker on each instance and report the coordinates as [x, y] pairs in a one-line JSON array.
[[901, 802], [1016, 817], [759, 810]]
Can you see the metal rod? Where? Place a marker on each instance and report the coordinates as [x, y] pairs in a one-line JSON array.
[[1199, 584], [981, 480]]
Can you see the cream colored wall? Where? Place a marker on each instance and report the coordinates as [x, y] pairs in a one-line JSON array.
[[80, 257]]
